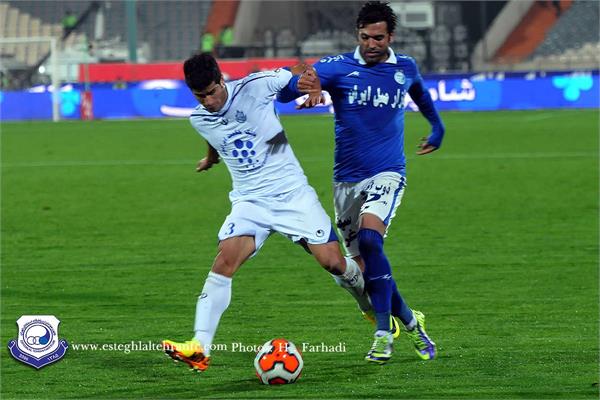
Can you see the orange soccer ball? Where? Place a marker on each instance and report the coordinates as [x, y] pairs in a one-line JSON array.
[[278, 362]]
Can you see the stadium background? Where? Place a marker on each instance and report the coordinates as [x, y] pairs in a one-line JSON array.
[[106, 226], [122, 58]]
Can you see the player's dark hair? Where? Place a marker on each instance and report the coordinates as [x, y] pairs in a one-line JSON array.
[[376, 11], [200, 70]]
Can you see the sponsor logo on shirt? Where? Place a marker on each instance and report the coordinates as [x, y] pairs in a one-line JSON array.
[[376, 97]]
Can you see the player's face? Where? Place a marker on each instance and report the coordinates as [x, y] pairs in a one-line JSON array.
[[374, 41], [213, 97]]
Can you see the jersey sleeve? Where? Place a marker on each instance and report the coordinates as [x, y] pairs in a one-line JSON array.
[[420, 95], [326, 71], [270, 82], [327, 68], [290, 91]]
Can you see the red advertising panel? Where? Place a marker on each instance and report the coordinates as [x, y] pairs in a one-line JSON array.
[[140, 72]]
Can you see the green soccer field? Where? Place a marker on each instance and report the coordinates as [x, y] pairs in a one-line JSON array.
[[107, 226]]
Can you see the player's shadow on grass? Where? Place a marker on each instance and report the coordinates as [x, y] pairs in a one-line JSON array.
[[241, 387]]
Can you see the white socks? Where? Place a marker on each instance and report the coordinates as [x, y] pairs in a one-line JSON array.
[[213, 301], [352, 280]]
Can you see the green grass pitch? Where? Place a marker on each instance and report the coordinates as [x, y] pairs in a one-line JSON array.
[[107, 226]]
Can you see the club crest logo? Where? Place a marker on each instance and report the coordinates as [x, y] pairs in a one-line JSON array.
[[240, 117], [38, 344], [399, 77]]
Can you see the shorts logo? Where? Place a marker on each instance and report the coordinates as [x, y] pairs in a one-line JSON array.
[[38, 344], [320, 233]]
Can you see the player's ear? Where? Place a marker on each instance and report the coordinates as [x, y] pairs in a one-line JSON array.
[[391, 37]]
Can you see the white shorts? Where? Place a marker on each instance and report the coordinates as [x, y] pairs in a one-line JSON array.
[[379, 195], [298, 215]]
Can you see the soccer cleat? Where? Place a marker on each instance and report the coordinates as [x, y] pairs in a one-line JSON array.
[[395, 327], [381, 350], [369, 316], [424, 346], [190, 352], [394, 324]]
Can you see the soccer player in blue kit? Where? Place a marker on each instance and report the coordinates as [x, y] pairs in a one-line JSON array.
[[368, 88]]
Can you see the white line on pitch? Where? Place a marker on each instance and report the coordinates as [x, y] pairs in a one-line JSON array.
[[98, 163], [192, 163]]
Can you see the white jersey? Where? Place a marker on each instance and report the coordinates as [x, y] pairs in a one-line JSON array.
[[249, 137]]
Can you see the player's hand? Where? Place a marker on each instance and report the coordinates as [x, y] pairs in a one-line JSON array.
[[205, 164], [309, 81], [312, 100], [310, 84], [298, 69], [425, 147]]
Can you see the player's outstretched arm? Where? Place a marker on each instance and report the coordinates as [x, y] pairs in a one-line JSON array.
[[212, 157], [425, 147], [422, 99], [309, 83], [305, 81]]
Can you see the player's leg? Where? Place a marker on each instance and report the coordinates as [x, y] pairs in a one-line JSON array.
[[348, 200], [240, 238], [212, 303], [378, 282], [345, 271], [381, 197], [216, 293], [347, 210], [371, 245], [302, 219], [384, 193]]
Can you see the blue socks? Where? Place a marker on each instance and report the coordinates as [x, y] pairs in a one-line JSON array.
[[379, 282], [399, 307]]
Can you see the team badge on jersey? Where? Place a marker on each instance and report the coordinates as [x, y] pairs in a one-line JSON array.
[[38, 344], [240, 117], [399, 77]]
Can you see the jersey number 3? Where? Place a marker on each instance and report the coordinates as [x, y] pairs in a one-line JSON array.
[[230, 226]]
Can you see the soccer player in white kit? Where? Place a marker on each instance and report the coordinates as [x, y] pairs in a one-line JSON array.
[[270, 192]]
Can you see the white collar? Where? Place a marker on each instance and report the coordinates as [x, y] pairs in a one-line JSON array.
[[391, 59]]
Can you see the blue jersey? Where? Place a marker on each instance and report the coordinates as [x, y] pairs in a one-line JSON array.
[[369, 111]]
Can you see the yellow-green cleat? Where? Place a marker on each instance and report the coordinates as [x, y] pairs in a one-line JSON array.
[[382, 348], [424, 346], [394, 324]]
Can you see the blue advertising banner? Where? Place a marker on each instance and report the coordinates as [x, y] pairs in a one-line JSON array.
[[171, 98]]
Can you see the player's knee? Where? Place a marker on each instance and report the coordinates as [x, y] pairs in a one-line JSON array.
[[225, 265], [332, 261], [369, 241]]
